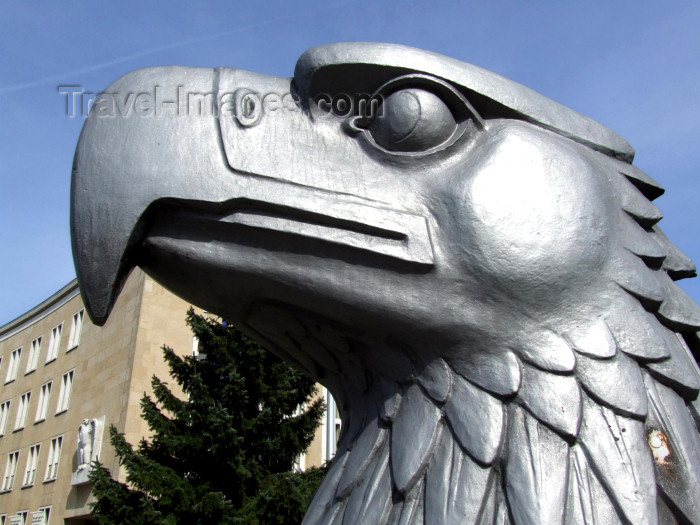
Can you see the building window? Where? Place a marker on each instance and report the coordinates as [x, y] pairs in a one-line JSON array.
[[54, 456], [21, 416], [20, 518], [64, 393], [76, 327], [41, 516], [3, 519], [331, 427], [54, 343], [10, 469], [32, 462], [14, 365], [33, 359], [42, 407], [4, 412]]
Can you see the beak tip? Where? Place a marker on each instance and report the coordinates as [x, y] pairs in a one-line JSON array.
[[98, 299], [97, 321], [98, 312]]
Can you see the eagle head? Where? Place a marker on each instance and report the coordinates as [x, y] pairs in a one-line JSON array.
[[473, 270]]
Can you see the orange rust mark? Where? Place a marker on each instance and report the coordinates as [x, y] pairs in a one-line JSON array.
[[660, 449]]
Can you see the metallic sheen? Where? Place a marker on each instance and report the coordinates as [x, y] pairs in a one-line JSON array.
[[473, 270]]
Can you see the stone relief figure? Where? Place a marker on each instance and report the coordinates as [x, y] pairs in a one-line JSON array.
[[474, 271], [86, 442]]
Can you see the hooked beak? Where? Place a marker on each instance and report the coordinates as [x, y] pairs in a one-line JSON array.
[[137, 147], [144, 148]]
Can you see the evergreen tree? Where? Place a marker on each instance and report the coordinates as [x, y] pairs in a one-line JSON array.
[[226, 453]]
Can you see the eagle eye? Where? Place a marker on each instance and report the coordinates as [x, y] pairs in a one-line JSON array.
[[412, 119], [415, 114]]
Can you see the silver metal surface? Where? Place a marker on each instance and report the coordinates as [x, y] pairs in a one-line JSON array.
[[473, 270]]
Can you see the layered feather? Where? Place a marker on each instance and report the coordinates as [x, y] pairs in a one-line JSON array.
[[558, 427]]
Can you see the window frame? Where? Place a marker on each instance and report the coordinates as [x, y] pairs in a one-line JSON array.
[[13, 367], [76, 329], [64, 394], [31, 465], [42, 407], [55, 447], [4, 415], [54, 343], [22, 410], [10, 465], [33, 357], [46, 509]]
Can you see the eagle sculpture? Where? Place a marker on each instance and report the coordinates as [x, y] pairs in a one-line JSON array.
[[473, 270]]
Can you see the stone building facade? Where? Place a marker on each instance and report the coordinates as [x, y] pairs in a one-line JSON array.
[[64, 381]]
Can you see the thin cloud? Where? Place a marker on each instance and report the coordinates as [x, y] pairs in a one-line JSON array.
[[167, 47]]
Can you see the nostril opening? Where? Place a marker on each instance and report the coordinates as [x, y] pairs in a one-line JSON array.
[[355, 125], [249, 106]]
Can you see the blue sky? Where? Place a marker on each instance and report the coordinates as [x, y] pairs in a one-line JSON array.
[[633, 66]]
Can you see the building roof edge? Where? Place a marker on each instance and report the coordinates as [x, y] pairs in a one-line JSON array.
[[41, 310]]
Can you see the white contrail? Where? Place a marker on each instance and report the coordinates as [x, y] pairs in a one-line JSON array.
[[63, 76]]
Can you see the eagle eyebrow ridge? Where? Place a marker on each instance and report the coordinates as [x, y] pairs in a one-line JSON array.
[[534, 107]]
